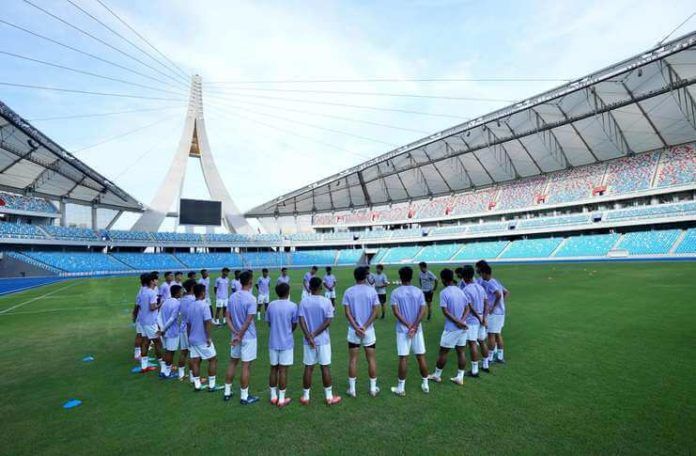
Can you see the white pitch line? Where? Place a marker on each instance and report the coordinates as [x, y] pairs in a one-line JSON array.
[[36, 298]]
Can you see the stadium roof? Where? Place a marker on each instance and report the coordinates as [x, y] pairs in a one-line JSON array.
[[31, 163], [640, 104]]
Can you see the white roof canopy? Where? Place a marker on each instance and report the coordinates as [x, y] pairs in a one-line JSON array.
[[32, 164], [640, 104]]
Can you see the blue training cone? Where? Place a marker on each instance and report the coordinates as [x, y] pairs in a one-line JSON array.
[[72, 403], [88, 359]]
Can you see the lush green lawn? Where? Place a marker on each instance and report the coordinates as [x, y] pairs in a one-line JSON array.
[[600, 360]]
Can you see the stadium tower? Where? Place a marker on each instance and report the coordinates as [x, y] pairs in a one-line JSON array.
[[193, 144]]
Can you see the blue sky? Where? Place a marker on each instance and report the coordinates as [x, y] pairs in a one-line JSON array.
[[231, 41]]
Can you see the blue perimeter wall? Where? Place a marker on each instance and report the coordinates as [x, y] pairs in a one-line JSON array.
[[13, 285]]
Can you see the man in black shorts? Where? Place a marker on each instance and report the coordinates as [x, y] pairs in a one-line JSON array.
[[381, 284], [428, 284]]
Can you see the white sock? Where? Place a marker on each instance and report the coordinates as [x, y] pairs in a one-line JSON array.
[[485, 362], [258, 315], [167, 369], [197, 382], [228, 389], [281, 395], [373, 384], [211, 382], [191, 377], [401, 384], [224, 320], [136, 352], [328, 393], [244, 393], [143, 362], [161, 364], [351, 384], [491, 355], [305, 393], [474, 367], [425, 382], [182, 372], [501, 356], [460, 374], [438, 372], [274, 393]]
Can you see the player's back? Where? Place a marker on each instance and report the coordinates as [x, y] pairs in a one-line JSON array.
[[360, 299], [315, 309], [409, 300], [455, 301], [241, 305], [281, 315]]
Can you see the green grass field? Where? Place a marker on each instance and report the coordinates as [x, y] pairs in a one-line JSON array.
[[600, 360]]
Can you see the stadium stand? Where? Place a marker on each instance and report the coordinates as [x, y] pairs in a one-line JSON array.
[[305, 237], [631, 174], [521, 193], [480, 250], [448, 230], [648, 242], [268, 259], [26, 203], [70, 233], [574, 184], [688, 243], [165, 237], [210, 260], [79, 261], [313, 258], [349, 256], [437, 253], [543, 222], [531, 248], [20, 231], [400, 254], [127, 236], [661, 210], [593, 245], [149, 261], [677, 166]]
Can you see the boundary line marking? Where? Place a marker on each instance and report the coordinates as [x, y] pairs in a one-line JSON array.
[[16, 306]]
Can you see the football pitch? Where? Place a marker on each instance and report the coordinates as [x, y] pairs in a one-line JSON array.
[[600, 359]]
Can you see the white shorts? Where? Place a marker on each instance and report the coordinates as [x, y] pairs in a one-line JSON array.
[[138, 328], [262, 299], [472, 333], [281, 357], [183, 340], [482, 332], [368, 339], [451, 339], [246, 350], [406, 346], [495, 323], [320, 355], [171, 343], [220, 303], [149, 331], [330, 294], [202, 351]]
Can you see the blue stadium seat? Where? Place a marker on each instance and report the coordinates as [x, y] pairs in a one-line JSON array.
[[480, 251], [149, 261], [531, 248], [688, 244], [95, 263], [437, 253], [649, 242], [592, 245]]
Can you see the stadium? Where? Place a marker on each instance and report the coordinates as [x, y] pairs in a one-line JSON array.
[[581, 198]]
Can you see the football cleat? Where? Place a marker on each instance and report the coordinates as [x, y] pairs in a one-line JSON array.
[[333, 401], [249, 400], [351, 393], [435, 378], [374, 392], [457, 381], [398, 392], [274, 400], [304, 401], [284, 402]]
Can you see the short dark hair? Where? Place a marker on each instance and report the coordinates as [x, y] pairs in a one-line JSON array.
[[155, 274], [314, 268], [423, 264], [360, 273], [191, 274], [480, 263], [459, 271], [468, 272], [225, 269], [380, 266], [485, 269], [283, 269], [314, 283], [447, 275], [144, 279], [282, 290], [406, 274], [167, 273], [203, 271], [245, 277], [199, 290], [264, 270], [328, 269], [189, 284], [175, 290]]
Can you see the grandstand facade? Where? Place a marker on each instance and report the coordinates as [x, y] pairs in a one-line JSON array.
[[602, 168]]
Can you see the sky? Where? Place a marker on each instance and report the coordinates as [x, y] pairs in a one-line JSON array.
[[270, 136]]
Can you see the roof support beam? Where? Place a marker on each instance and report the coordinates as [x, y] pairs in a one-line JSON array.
[[550, 141], [450, 152], [401, 181], [524, 148], [681, 95], [430, 161], [645, 114], [478, 160], [577, 132], [501, 153], [366, 195], [608, 122]]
